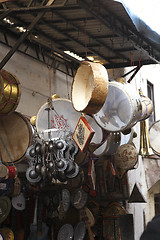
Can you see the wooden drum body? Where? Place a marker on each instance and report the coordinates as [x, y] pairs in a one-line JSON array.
[[122, 108], [10, 92], [90, 87], [15, 137]]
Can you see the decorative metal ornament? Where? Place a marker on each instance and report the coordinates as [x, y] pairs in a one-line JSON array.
[[32, 176]]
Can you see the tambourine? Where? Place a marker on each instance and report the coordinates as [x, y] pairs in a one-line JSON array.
[[90, 87], [52, 121], [122, 108], [14, 146]]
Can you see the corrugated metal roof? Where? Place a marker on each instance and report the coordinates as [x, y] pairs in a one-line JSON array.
[[101, 29]]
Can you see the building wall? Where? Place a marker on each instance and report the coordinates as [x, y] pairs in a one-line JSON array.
[[35, 79], [144, 212]]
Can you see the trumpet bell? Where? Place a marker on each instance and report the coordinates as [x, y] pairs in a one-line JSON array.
[[145, 147]]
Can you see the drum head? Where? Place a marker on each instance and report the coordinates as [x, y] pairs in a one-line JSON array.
[[62, 117], [98, 136], [15, 137], [117, 111], [5, 207], [154, 132]]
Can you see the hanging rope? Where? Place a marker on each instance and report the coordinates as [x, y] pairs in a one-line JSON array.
[[7, 151], [140, 72], [85, 37]]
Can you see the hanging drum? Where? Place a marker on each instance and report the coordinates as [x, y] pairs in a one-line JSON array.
[[122, 108], [90, 87], [99, 132], [10, 92], [147, 107], [15, 137], [127, 138], [52, 121], [154, 132]]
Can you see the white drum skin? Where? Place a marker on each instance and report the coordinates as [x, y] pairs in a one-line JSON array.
[[154, 132], [122, 108], [62, 117], [98, 136]]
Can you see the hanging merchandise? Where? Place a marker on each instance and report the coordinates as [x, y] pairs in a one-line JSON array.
[[6, 233], [13, 147], [122, 108], [56, 119], [17, 187], [154, 137], [5, 207], [147, 107], [38, 229], [87, 216], [18, 202], [79, 198], [145, 148], [125, 159], [90, 87], [3, 170], [111, 220], [52, 160], [80, 231], [83, 134], [65, 232], [99, 135], [10, 92], [6, 187]]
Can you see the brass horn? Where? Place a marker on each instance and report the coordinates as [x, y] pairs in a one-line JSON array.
[[145, 147]]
